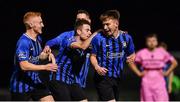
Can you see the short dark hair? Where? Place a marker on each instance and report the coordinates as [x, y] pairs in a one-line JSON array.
[[83, 11], [163, 44], [114, 14], [151, 35], [79, 23]]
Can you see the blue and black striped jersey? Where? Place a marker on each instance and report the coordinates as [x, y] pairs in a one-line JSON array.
[[111, 52], [69, 71], [26, 50]]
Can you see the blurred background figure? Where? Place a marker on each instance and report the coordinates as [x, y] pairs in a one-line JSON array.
[[172, 81], [152, 61]]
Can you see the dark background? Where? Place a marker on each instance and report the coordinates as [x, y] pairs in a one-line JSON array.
[[137, 17]]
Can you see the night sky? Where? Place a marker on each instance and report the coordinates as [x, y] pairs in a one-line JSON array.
[[137, 17]]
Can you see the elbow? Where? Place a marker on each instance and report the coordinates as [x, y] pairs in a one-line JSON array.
[[175, 63], [23, 67]]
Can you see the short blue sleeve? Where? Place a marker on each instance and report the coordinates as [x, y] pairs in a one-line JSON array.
[[22, 50], [95, 45], [59, 39], [67, 42], [130, 47], [56, 41]]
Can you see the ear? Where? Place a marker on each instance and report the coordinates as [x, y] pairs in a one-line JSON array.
[[78, 31], [117, 23], [30, 24]]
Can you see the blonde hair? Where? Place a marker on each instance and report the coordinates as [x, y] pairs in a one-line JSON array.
[[29, 15]]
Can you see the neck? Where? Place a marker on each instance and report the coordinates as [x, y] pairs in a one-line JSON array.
[[151, 49], [31, 34], [116, 33], [78, 39]]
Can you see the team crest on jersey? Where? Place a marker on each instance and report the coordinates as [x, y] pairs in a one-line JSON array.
[[124, 44]]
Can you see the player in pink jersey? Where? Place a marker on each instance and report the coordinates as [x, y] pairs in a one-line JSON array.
[[152, 60]]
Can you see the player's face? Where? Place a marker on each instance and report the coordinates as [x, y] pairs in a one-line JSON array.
[[85, 31], [151, 42], [110, 26], [83, 16], [37, 24]]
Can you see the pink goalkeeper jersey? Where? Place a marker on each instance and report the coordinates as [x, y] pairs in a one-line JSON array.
[[153, 59]]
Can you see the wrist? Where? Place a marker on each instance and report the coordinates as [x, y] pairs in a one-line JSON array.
[[42, 67], [96, 66]]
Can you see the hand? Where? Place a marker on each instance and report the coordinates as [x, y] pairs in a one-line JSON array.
[[51, 67], [52, 58], [165, 73], [141, 74], [101, 70], [131, 58], [43, 56], [169, 88], [47, 49]]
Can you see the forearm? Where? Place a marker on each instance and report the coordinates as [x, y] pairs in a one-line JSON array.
[[172, 67], [93, 60], [134, 68], [170, 78], [43, 56], [26, 66], [85, 44]]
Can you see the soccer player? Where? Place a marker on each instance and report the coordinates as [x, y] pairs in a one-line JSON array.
[[81, 78], [25, 82], [153, 59], [110, 49], [71, 56], [168, 78]]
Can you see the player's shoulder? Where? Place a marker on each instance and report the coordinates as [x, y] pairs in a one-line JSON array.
[[143, 50], [24, 39], [125, 33], [162, 50], [99, 35], [67, 33]]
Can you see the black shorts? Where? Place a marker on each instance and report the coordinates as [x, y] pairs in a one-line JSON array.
[[64, 92], [107, 88], [34, 95]]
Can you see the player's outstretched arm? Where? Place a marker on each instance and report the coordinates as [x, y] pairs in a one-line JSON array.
[[26, 66], [83, 45]]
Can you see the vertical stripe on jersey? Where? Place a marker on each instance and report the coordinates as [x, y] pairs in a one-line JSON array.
[[23, 87], [110, 59], [101, 54], [68, 68], [15, 85], [119, 59], [64, 60], [122, 50], [107, 58], [59, 73], [20, 87], [114, 57], [26, 87], [56, 76]]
